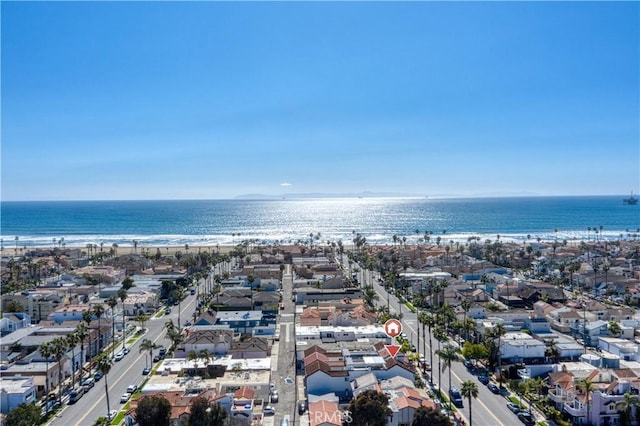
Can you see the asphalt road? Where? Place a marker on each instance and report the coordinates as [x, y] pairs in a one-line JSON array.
[[488, 409], [123, 373]]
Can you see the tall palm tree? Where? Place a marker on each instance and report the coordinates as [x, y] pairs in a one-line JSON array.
[[46, 350], [179, 294], [112, 302], [587, 386], [441, 336], [98, 311], [59, 349], [497, 332], [122, 295], [72, 341], [465, 305], [469, 390], [103, 365], [448, 354], [82, 331], [148, 345], [625, 405], [430, 321]]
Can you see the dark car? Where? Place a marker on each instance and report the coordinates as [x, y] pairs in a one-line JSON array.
[[526, 418], [156, 358], [146, 371], [97, 376], [493, 388], [456, 397], [468, 364], [483, 379], [302, 407], [513, 407]]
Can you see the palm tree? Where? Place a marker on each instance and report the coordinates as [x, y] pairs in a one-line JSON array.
[[465, 305], [112, 302], [447, 355], [193, 356], [46, 350], [205, 356], [103, 365], [82, 331], [59, 349], [72, 341], [469, 390], [142, 319], [427, 320], [441, 336], [587, 386], [122, 295], [498, 331], [179, 294], [625, 405], [98, 311], [148, 345]]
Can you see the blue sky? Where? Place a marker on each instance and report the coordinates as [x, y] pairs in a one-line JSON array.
[[164, 100]]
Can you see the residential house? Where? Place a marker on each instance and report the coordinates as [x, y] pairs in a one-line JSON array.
[[253, 347], [626, 350], [13, 321], [216, 339], [141, 303], [520, 347], [325, 413], [242, 322], [14, 391]]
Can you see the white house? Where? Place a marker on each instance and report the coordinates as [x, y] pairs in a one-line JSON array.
[[520, 347]]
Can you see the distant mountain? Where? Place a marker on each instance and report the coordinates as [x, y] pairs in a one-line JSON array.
[[365, 194]]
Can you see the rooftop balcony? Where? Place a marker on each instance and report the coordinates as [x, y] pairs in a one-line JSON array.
[[555, 397], [575, 412]]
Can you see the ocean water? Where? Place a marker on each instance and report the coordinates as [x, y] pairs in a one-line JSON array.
[[211, 222]]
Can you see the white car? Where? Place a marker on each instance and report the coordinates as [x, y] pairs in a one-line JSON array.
[[118, 356], [269, 410], [125, 397], [132, 388], [112, 414]]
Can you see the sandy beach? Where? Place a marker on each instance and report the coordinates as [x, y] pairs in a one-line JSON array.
[[9, 250]]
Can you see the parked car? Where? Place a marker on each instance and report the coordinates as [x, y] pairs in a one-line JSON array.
[[526, 418], [483, 379], [468, 363], [125, 350], [493, 388], [156, 358], [88, 383], [269, 410], [274, 397], [118, 356], [124, 397], [302, 407], [146, 371], [75, 395], [162, 352], [112, 414], [513, 407], [98, 376], [132, 388], [456, 397]]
